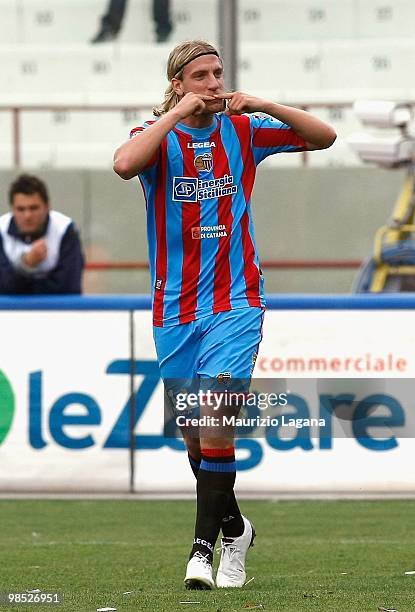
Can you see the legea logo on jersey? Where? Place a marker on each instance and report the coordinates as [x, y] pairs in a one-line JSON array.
[[185, 189], [200, 145], [6, 406]]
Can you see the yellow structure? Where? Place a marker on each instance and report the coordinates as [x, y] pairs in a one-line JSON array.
[[400, 228]]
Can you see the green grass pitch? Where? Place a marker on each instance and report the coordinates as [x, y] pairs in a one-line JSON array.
[[309, 555]]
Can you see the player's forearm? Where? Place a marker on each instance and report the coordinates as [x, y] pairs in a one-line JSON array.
[[313, 130], [133, 156]]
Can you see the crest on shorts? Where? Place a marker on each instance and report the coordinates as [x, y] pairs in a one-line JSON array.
[[223, 377], [204, 162]]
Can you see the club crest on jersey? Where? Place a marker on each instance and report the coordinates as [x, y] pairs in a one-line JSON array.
[[204, 162]]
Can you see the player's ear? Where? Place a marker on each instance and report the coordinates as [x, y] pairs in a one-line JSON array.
[[177, 86]]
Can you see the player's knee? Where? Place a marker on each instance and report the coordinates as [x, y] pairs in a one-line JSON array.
[[193, 446], [220, 443]]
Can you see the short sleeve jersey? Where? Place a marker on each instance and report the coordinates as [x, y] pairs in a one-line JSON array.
[[198, 186]]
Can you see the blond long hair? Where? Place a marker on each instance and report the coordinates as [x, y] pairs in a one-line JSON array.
[[181, 55]]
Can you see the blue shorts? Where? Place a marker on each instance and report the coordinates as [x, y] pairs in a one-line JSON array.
[[222, 343], [211, 353]]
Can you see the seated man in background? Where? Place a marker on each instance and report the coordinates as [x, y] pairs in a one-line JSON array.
[[40, 250]]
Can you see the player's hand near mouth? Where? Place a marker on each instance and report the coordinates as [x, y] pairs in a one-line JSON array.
[[193, 104], [316, 133]]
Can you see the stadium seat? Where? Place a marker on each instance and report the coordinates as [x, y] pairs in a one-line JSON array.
[[43, 70], [72, 139], [142, 71], [279, 20], [9, 22], [59, 21], [252, 21], [367, 68], [111, 128], [344, 121], [102, 70], [88, 71], [295, 69], [342, 118], [391, 18], [194, 19], [55, 128], [45, 134]]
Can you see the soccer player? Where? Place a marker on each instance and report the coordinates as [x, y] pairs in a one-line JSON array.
[[196, 163]]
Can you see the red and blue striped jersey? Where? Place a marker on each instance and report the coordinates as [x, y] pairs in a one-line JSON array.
[[202, 252]]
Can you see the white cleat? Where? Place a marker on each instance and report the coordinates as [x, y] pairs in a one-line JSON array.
[[199, 573], [231, 570]]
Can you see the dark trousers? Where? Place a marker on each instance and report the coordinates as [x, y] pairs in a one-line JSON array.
[[113, 18]]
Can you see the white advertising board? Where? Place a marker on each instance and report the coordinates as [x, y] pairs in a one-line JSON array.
[[308, 344], [57, 367], [64, 390]]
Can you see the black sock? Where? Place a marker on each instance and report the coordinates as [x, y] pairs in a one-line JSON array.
[[215, 481], [232, 523], [194, 464]]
